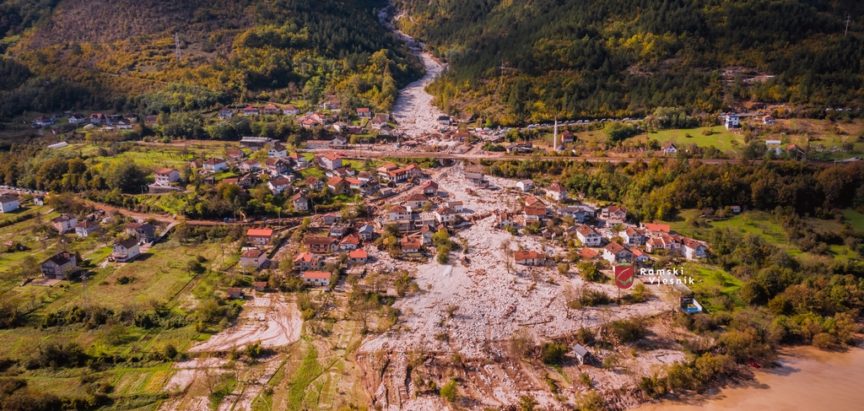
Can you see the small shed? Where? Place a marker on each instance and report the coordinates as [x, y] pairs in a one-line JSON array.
[[580, 353]]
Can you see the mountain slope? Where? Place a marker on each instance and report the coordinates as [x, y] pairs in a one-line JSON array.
[[531, 60], [162, 55]]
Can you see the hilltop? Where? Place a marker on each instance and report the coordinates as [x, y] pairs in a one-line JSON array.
[[528, 61], [158, 55]]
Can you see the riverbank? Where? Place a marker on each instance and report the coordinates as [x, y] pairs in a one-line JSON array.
[[808, 379]]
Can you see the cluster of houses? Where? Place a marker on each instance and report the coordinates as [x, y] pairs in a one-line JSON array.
[[604, 234], [61, 265], [329, 116]]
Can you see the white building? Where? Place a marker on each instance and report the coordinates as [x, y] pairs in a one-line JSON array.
[[9, 203], [731, 121]]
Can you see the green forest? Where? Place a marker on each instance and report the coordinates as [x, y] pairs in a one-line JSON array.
[[155, 56], [518, 61]]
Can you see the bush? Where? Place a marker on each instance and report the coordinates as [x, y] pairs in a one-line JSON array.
[[553, 353], [449, 391], [629, 330]]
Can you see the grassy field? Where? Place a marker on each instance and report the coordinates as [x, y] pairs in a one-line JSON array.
[[713, 286], [766, 226], [717, 136], [854, 219]]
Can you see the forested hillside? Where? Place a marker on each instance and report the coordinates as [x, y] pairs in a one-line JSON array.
[[162, 55], [531, 60]]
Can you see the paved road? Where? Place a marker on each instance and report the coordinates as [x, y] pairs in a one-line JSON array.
[[373, 154]]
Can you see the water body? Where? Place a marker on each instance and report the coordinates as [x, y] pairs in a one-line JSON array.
[[808, 379]]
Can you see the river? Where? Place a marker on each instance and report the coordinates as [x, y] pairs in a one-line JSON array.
[[808, 379]]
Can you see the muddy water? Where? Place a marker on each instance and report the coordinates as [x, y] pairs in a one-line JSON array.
[[808, 380]]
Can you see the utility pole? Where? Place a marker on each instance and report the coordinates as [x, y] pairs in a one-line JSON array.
[[555, 135]]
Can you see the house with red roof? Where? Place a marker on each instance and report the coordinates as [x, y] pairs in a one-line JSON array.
[[259, 236]]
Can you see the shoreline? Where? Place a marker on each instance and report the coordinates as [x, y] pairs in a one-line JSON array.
[[806, 378]]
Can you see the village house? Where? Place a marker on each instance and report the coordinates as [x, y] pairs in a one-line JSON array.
[[144, 232], [640, 257], [290, 110], [446, 215], [670, 149], [226, 114], [529, 258], [533, 214], [331, 218], [214, 165], [476, 177], [255, 143], [76, 119], [350, 242], [253, 258], [260, 286], [411, 244], [380, 120], [321, 244], [580, 213], [126, 250], [663, 241], [633, 236], [580, 353], [298, 160], [358, 257], [9, 203], [616, 253], [656, 228], [398, 213], [317, 278], [276, 166], [614, 214], [277, 150], [556, 192], [694, 250], [64, 223], [338, 185], [330, 161], [444, 120], [307, 261], [366, 232], [429, 188], [525, 185], [364, 112], [311, 120], [85, 228], [588, 236], [249, 166], [768, 120], [337, 230], [235, 293], [271, 110], [259, 236], [279, 184], [731, 121], [415, 201], [167, 176], [300, 202], [59, 266], [457, 206], [251, 111]]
